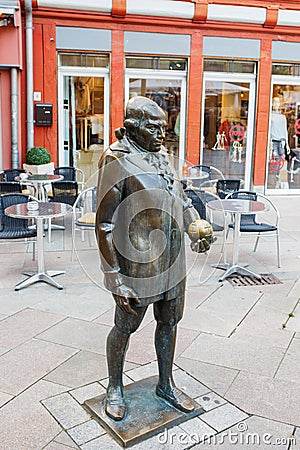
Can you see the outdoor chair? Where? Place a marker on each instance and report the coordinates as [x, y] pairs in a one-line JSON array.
[[84, 215], [11, 174], [213, 174], [7, 187], [12, 229], [71, 174], [227, 186], [250, 224], [62, 192]]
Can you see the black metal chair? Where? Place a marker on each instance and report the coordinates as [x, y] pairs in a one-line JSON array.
[[197, 202], [249, 223], [11, 174], [227, 186], [12, 229], [71, 174], [7, 187], [64, 192], [209, 183]]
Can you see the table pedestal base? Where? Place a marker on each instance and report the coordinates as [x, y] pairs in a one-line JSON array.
[[41, 276], [235, 268]]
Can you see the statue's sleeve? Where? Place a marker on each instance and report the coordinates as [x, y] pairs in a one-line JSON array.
[[190, 214], [109, 191]]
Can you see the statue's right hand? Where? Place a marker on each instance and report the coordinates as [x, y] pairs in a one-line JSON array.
[[124, 295]]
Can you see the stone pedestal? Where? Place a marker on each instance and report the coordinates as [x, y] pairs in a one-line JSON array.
[[147, 414]]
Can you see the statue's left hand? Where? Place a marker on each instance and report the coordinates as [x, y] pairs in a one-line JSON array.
[[200, 246], [201, 234]]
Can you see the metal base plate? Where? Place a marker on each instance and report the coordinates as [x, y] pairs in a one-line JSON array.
[[146, 416]]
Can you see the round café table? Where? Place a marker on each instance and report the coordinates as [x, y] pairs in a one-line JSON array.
[[40, 180], [236, 207], [45, 211]]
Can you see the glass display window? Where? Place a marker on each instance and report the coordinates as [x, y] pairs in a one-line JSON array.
[[283, 159], [228, 124]]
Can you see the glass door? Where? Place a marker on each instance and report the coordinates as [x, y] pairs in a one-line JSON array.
[[169, 91], [283, 159], [228, 124], [83, 118]]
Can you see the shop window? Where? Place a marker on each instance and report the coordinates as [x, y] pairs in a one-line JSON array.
[[230, 66], [292, 70], [83, 60], [284, 136], [156, 63]]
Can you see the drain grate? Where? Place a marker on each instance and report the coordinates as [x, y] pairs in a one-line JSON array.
[[243, 280]]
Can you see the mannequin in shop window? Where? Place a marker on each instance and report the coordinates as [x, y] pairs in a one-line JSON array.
[[279, 130], [278, 133]]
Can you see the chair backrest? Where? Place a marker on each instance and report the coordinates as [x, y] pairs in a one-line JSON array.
[[11, 223], [69, 173], [213, 172], [11, 174], [226, 186], [197, 202], [7, 187], [65, 192]]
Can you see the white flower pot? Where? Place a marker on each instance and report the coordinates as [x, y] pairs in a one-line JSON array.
[[42, 169]]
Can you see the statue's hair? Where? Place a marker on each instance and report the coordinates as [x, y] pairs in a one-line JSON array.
[[137, 108]]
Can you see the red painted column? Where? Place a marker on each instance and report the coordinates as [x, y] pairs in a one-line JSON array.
[[194, 100], [117, 82], [263, 110]]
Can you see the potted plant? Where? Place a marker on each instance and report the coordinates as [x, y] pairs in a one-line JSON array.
[[38, 161]]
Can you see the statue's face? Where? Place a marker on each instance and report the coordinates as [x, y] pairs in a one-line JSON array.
[[151, 132]]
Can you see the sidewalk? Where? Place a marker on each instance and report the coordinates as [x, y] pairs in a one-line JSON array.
[[238, 349]]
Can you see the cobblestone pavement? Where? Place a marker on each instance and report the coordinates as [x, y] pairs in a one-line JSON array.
[[238, 349]]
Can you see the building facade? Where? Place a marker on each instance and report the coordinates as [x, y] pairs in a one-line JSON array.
[[227, 75]]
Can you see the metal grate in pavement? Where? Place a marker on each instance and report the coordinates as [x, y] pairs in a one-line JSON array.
[[243, 280]]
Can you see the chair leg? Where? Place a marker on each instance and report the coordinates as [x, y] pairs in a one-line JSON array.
[[256, 243]]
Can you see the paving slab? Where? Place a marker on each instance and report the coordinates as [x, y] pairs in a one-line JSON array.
[[293, 323], [86, 306], [86, 432], [264, 325], [56, 446], [235, 353], [66, 410], [267, 397], [254, 433], [184, 338], [80, 334], [188, 384], [3, 350], [85, 392], [64, 438], [4, 398], [24, 325], [289, 368], [210, 401], [223, 417], [13, 301], [216, 377], [82, 368], [24, 422], [29, 362], [196, 430]]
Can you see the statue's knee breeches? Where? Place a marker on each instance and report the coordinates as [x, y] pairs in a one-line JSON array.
[[169, 312], [129, 323]]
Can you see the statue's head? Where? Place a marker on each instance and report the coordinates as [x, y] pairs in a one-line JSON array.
[[145, 123]]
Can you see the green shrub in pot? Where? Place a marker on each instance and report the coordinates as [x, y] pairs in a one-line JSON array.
[[37, 156]]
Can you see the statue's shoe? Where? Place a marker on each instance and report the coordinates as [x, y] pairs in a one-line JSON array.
[[115, 407], [176, 398]]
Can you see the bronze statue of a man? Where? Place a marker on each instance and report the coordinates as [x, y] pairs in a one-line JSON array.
[[142, 213]]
